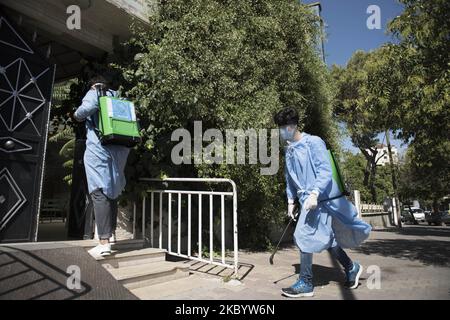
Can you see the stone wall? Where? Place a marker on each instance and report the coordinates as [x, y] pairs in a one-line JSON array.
[[379, 220]]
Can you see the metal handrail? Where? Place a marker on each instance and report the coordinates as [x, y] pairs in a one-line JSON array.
[[211, 260]]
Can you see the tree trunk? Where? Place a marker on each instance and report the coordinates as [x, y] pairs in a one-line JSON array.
[[435, 205], [370, 173], [412, 215], [373, 190], [366, 174]]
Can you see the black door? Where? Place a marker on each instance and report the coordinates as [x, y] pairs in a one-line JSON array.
[[26, 82]]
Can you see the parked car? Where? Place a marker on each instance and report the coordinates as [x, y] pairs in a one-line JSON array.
[[438, 218], [446, 218], [407, 217], [418, 213]]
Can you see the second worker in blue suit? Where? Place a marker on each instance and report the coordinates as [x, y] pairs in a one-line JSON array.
[[104, 165], [326, 222]]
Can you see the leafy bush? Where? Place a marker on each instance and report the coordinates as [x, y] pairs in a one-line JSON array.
[[232, 65]]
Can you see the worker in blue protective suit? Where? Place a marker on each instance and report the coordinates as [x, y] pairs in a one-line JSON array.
[[104, 165], [327, 220]]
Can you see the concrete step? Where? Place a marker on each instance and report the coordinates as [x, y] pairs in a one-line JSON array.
[[120, 259], [138, 276], [129, 244]]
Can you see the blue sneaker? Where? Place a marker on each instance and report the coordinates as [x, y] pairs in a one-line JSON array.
[[353, 276], [299, 289]]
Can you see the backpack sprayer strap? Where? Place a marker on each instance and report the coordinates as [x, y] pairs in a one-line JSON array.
[[333, 198], [343, 194], [95, 120]]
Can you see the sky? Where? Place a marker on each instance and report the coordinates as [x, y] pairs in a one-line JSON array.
[[346, 31]]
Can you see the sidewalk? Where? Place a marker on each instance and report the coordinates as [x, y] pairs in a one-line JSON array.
[[414, 264]]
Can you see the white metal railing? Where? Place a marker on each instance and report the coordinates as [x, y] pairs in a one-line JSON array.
[[370, 207], [367, 209], [190, 194]]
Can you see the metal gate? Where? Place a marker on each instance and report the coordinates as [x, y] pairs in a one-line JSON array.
[[172, 241], [26, 82]]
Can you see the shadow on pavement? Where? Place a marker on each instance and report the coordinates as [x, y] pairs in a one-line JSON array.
[[430, 252], [324, 275], [214, 270], [421, 230], [36, 278]]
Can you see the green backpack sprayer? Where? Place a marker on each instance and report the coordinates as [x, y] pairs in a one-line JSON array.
[[117, 123], [337, 177]]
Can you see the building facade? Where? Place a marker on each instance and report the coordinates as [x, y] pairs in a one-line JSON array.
[[382, 157], [43, 42]]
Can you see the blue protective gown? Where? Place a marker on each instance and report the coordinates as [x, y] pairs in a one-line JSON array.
[[104, 165], [333, 222]]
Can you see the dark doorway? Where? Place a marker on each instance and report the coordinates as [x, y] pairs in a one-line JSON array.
[[26, 83]]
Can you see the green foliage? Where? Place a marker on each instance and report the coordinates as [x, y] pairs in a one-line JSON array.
[[353, 168], [62, 134], [362, 107], [61, 128], [232, 65], [63, 101], [406, 87], [353, 171], [423, 108]]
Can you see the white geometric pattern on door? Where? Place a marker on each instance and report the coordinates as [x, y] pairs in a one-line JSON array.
[[26, 82], [5, 176], [18, 146], [19, 43], [15, 95]]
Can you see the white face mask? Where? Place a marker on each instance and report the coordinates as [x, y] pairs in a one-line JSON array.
[[287, 133]]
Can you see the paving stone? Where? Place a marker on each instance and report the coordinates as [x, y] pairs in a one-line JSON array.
[[414, 264]]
